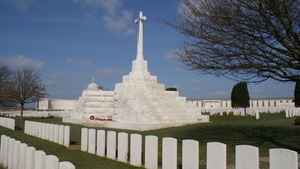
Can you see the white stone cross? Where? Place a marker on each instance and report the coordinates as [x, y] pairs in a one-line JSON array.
[[139, 21]]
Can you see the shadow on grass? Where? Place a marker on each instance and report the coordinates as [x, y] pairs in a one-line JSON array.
[[256, 135]]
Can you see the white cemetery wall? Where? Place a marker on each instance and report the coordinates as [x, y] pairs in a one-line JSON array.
[[111, 144], [283, 159], [169, 153], [101, 143], [216, 155], [151, 152], [123, 147], [246, 157], [136, 149], [92, 141], [190, 154], [84, 139]]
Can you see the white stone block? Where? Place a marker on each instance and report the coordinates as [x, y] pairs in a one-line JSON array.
[[66, 165], [61, 134], [16, 151], [22, 155], [52, 162], [136, 149], [111, 144], [190, 154], [55, 133], [246, 157], [66, 136], [92, 141], [169, 153], [101, 143], [51, 132], [30, 158], [84, 139], [151, 152], [216, 155], [283, 159], [40, 159], [123, 147], [257, 114]]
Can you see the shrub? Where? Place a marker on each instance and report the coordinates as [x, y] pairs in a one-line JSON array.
[[297, 120], [230, 113]]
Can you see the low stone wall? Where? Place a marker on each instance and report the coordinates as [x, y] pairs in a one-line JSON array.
[[7, 123], [59, 114], [246, 156], [52, 132], [240, 111], [15, 154]]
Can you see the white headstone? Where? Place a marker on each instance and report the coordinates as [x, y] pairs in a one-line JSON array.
[[216, 155], [101, 143], [283, 159], [84, 139], [52, 162], [2, 149], [92, 141], [111, 144], [43, 130], [123, 147], [30, 158], [257, 114], [136, 149], [190, 154], [55, 133], [47, 131], [61, 134], [67, 136], [66, 165], [22, 155], [169, 153], [151, 152], [10, 152], [16, 151], [246, 157], [40, 159], [51, 132]]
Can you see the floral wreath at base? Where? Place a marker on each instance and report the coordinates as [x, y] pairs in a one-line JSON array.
[[92, 117]]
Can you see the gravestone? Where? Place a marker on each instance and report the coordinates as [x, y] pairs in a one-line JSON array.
[[52, 162], [61, 134], [246, 157], [123, 147], [16, 151], [136, 149], [30, 158], [55, 133], [40, 159], [66, 165], [216, 155], [111, 145], [84, 139], [66, 136], [101, 143], [151, 152], [92, 141], [169, 153], [283, 159], [190, 154], [22, 155]]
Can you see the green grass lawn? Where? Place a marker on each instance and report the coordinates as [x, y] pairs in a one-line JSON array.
[[270, 131]]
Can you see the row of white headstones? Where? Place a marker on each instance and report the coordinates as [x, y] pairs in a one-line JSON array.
[[7, 123], [116, 147], [17, 155]]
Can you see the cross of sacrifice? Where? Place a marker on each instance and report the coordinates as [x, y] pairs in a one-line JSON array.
[[139, 21]]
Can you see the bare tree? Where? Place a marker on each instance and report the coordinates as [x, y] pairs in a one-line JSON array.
[[5, 76], [244, 40], [25, 87]]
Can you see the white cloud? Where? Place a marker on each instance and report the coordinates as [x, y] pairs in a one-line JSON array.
[[22, 61], [108, 72], [20, 5], [130, 31], [219, 93], [86, 63], [70, 60]]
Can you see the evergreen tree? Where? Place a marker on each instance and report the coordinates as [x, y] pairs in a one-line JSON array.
[[240, 95], [297, 94]]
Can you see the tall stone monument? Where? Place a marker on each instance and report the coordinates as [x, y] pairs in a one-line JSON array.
[[139, 102]]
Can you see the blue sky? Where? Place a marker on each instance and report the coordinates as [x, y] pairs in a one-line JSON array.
[[72, 41]]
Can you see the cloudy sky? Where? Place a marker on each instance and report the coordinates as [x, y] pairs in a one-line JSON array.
[[72, 41]]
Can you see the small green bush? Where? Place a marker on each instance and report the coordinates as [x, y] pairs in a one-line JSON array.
[[297, 120]]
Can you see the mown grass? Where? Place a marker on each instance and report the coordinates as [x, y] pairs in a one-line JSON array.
[[270, 131]]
